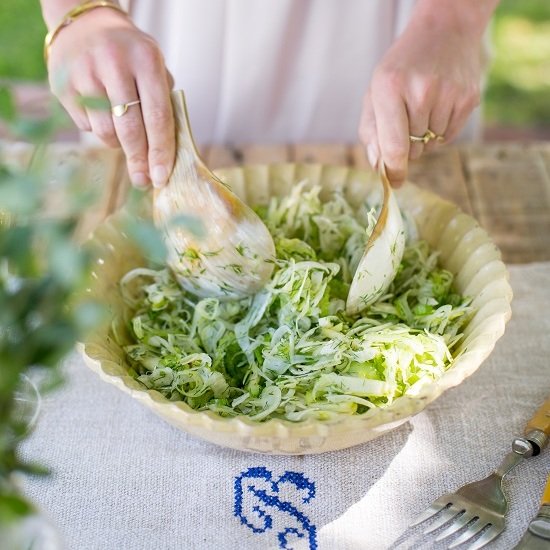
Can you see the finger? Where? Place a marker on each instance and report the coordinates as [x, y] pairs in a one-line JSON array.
[[76, 111], [129, 127], [419, 101], [439, 123], [467, 101], [367, 131], [170, 79], [418, 124], [456, 122], [393, 131], [100, 120], [154, 90], [68, 97]]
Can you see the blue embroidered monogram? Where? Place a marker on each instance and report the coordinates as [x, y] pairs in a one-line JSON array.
[[258, 498]]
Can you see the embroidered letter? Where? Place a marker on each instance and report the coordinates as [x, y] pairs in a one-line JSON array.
[[258, 485]]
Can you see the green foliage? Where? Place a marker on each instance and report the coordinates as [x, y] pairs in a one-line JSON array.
[[532, 10], [44, 308], [151, 243], [13, 506], [95, 103], [7, 105], [519, 78], [22, 34], [43, 274]]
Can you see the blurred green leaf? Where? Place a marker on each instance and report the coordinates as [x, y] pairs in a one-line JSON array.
[[96, 103], [88, 315], [193, 224], [13, 506], [33, 468], [43, 307], [147, 238], [37, 130], [15, 246], [47, 344], [19, 193], [7, 105], [65, 260]]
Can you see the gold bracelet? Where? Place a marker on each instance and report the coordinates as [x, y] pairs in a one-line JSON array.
[[73, 14]]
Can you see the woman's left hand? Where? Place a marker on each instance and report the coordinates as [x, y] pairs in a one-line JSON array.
[[428, 79]]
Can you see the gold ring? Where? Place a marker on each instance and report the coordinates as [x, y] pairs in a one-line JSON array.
[[120, 110], [428, 136]]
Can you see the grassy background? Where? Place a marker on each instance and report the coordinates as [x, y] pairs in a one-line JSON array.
[[22, 34], [518, 91]]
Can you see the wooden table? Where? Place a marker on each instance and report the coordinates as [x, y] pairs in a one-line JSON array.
[[506, 187]]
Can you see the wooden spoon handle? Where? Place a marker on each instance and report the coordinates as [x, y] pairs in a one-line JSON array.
[[541, 419], [385, 181], [184, 134], [546, 495], [383, 216]]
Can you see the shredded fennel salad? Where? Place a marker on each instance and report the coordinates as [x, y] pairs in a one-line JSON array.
[[290, 351]]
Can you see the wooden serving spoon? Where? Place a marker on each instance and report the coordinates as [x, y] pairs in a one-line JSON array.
[[234, 256], [382, 255]]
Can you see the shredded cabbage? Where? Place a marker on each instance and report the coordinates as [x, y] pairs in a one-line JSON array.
[[290, 351]]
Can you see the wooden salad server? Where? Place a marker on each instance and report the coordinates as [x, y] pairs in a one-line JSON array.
[[233, 258], [382, 255]]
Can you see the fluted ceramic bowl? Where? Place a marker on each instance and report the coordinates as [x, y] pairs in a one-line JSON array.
[[465, 249]]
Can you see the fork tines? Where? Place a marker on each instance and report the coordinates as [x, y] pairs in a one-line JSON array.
[[463, 513]]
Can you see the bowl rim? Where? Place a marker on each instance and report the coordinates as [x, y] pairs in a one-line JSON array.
[[400, 409]]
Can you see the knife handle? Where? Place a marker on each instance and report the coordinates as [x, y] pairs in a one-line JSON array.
[[541, 419], [545, 500]]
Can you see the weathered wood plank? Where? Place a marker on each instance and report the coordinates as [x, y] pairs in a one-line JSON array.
[[99, 171], [265, 154], [439, 171], [544, 151], [509, 188], [326, 153], [220, 156], [358, 157], [64, 168], [506, 186], [121, 184]]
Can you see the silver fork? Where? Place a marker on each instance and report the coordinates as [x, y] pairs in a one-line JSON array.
[[482, 504]]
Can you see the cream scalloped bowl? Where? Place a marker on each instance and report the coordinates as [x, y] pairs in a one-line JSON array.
[[465, 249]]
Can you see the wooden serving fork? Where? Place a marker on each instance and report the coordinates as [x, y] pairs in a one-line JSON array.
[[234, 257]]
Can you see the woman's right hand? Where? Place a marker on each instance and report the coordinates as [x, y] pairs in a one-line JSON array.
[[103, 54]]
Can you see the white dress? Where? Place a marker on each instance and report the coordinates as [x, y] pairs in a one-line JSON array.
[[273, 71]]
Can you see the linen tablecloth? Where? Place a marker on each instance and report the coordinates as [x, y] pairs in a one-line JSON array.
[[124, 479]]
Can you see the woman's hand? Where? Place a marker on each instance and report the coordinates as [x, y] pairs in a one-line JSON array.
[[428, 79], [103, 54]]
